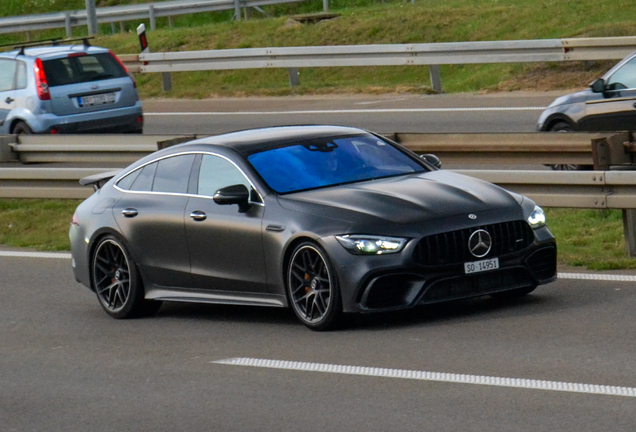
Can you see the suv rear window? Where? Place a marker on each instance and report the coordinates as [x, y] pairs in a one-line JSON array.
[[83, 68]]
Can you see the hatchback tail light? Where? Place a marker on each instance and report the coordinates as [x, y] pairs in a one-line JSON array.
[[125, 68], [40, 81]]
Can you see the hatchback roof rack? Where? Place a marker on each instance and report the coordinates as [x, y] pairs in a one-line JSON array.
[[45, 42]]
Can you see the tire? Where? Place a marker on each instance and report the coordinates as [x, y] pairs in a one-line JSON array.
[[117, 283], [21, 128], [565, 127], [313, 289], [512, 294]]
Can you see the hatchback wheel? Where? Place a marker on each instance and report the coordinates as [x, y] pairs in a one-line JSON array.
[[117, 283], [21, 128], [313, 288]]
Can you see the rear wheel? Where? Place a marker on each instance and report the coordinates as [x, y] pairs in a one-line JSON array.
[[313, 288], [117, 283], [21, 128]]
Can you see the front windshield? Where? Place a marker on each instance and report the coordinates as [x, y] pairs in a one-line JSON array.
[[330, 161]]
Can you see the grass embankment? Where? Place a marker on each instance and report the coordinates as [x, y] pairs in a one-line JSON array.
[[590, 238], [372, 22]]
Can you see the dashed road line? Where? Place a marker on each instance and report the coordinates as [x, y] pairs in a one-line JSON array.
[[344, 111], [19, 254], [433, 376]]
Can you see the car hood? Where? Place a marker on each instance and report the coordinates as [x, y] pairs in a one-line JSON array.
[[404, 200]]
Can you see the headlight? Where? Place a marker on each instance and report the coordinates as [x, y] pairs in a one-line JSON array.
[[537, 218], [371, 245]]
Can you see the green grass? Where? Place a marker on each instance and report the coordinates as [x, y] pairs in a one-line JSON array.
[[369, 22], [588, 238]]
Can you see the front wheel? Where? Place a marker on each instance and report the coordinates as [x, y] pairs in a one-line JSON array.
[[312, 286], [565, 127], [117, 282]]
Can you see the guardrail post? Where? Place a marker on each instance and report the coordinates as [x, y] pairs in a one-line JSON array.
[[153, 19], [113, 28], [6, 151], [170, 21], [629, 227], [122, 26], [91, 17], [294, 80], [237, 10], [325, 5], [67, 24], [166, 81], [436, 79]]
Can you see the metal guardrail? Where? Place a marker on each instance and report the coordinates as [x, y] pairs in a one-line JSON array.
[[431, 54], [113, 14]]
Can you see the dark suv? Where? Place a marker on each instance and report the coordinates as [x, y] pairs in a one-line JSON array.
[[67, 89]]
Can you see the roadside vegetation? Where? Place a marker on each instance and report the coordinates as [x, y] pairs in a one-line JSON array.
[[365, 22], [589, 238]]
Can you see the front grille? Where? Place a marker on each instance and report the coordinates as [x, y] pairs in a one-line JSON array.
[[452, 247], [543, 263], [477, 285]]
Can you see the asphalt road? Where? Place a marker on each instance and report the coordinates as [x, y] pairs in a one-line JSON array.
[[507, 112], [66, 366]]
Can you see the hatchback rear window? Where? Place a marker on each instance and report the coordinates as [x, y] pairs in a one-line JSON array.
[[83, 68]]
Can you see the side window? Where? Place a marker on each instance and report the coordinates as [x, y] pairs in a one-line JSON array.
[[7, 74], [173, 174], [623, 78], [217, 173], [21, 79], [143, 182], [127, 181]]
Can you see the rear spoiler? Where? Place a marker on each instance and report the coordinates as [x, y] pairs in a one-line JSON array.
[[98, 180]]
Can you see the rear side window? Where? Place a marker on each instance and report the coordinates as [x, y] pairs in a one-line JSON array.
[[7, 74], [82, 68], [173, 174]]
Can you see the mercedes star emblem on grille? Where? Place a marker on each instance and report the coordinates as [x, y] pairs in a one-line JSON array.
[[479, 243]]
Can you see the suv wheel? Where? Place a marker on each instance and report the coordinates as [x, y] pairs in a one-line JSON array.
[[21, 128]]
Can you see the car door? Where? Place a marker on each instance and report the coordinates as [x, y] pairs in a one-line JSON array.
[[8, 69], [150, 215], [616, 109], [226, 246]]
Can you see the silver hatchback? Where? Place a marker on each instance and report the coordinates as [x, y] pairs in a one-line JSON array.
[[67, 89]]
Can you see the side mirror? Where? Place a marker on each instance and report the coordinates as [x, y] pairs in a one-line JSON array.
[[598, 86], [235, 194], [433, 160]]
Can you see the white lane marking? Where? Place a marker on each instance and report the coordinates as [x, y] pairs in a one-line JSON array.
[[601, 277], [344, 111], [433, 376], [18, 254]]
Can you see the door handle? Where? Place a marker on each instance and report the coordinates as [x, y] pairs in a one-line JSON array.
[[198, 216], [130, 212], [9, 100]]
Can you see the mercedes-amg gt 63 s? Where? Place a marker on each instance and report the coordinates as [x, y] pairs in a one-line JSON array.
[[326, 220]]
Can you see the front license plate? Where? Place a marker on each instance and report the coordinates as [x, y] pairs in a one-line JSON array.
[[481, 266], [98, 99]]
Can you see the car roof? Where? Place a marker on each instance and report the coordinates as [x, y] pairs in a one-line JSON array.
[[54, 51], [255, 140]]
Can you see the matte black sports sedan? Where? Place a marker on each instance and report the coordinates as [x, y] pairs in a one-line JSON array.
[[327, 220]]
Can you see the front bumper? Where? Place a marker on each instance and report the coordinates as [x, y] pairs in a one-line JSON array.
[[396, 281]]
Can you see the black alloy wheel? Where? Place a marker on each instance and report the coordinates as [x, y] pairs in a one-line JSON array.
[[313, 288], [117, 282]]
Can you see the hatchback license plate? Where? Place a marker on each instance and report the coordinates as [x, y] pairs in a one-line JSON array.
[[98, 99], [481, 266]]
